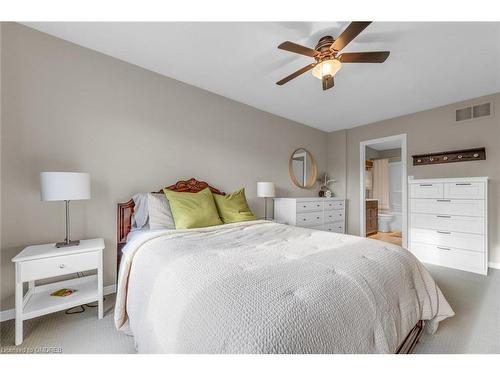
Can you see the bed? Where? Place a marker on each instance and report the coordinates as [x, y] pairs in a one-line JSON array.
[[264, 287]]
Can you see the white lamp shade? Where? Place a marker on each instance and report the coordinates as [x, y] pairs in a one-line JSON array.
[[64, 186], [266, 189]]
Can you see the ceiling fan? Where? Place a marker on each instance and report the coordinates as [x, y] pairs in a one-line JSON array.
[[326, 53]]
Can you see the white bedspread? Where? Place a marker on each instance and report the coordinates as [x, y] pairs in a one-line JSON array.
[[262, 287]]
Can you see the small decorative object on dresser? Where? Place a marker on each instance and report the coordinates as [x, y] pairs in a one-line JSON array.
[[326, 214], [44, 261], [324, 189], [266, 190], [65, 186], [449, 222]]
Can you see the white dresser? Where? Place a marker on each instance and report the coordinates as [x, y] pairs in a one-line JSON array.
[[448, 222], [316, 213]]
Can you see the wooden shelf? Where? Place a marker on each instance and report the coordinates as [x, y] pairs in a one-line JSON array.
[[40, 302]]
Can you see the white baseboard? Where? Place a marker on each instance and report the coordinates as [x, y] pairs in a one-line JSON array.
[[10, 314], [7, 315], [494, 265], [110, 289]]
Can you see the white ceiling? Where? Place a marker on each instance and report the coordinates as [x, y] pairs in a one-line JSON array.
[[431, 64]]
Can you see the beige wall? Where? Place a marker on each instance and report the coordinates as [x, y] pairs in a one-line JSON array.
[[429, 131], [337, 161], [67, 108]]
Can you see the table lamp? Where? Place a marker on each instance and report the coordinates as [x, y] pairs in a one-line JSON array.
[[265, 190], [65, 186]]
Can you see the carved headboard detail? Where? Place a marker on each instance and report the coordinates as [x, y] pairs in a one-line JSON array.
[[125, 210]]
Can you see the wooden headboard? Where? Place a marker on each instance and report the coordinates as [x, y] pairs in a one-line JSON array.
[[125, 210]]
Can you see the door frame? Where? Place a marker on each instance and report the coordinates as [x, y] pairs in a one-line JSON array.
[[404, 184]]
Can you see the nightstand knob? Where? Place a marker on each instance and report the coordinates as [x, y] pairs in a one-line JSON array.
[[62, 266]]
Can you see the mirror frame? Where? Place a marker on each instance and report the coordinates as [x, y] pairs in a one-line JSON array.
[[311, 180]]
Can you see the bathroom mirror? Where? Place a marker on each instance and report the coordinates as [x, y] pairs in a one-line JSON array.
[[302, 168]]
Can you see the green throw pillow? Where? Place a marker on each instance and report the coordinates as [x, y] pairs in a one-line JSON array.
[[193, 210], [233, 207]]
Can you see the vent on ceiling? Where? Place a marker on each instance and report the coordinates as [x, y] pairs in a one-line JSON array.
[[473, 112]]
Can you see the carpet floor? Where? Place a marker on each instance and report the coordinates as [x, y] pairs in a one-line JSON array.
[[474, 329]]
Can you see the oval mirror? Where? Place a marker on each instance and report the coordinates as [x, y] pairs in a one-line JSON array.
[[302, 168]]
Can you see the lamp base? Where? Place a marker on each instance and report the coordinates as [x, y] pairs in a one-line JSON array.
[[67, 244]]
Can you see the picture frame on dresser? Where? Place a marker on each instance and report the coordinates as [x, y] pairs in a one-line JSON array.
[[448, 221]]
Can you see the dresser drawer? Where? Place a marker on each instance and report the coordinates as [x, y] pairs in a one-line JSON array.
[[57, 266], [467, 224], [334, 205], [336, 226], [450, 257], [309, 206], [426, 190], [334, 215], [310, 219], [462, 207], [465, 190], [467, 241]]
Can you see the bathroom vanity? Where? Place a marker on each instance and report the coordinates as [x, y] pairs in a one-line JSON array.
[[371, 216]]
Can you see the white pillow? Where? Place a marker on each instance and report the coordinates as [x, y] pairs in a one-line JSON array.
[[160, 215], [140, 216]]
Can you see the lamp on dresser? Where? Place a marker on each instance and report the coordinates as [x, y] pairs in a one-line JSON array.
[[65, 186], [266, 190]]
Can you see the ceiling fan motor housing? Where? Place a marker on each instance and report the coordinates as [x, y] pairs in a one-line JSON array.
[[323, 47]]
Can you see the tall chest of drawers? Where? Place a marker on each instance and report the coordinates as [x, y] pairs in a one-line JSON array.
[[326, 214], [448, 222]]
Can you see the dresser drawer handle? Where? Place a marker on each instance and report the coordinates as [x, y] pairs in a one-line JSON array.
[[62, 266], [444, 200], [304, 219], [304, 206], [464, 184], [443, 248], [442, 232], [444, 216], [425, 184], [317, 217], [318, 205]]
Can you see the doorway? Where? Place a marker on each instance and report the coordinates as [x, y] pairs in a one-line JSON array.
[[383, 189]]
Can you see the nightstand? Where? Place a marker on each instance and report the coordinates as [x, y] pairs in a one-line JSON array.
[[44, 261]]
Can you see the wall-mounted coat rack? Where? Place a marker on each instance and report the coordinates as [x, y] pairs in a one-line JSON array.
[[450, 156]]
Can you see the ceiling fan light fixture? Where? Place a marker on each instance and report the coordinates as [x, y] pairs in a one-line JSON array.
[[326, 68]]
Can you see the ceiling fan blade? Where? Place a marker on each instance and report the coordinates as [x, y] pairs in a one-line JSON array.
[[297, 48], [296, 74], [364, 57], [351, 32], [327, 82]]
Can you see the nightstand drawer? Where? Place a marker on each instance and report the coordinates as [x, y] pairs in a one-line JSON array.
[[57, 266]]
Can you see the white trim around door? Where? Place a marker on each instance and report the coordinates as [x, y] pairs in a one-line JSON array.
[[404, 184]]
